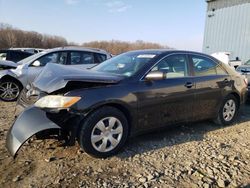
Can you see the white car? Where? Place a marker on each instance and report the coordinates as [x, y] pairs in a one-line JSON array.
[[7, 65], [224, 58], [12, 81], [30, 50]]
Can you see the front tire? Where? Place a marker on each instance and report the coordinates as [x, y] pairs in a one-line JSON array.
[[9, 90], [104, 132], [228, 111]]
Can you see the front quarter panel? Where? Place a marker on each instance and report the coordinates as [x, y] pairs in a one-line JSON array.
[[4, 73], [18, 74], [92, 98]]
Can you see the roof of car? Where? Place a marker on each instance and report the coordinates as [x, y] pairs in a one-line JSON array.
[[26, 49], [14, 50], [69, 48], [161, 51]]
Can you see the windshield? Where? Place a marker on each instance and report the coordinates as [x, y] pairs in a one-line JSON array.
[[31, 58], [248, 62], [126, 64]]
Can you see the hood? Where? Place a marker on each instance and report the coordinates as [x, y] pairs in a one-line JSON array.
[[7, 65], [55, 77]]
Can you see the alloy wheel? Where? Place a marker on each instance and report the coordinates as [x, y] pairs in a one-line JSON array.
[[9, 91], [229, 110], [106, 134]]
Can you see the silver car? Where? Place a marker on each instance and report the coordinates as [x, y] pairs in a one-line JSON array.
[[12, 81], [7, 65]]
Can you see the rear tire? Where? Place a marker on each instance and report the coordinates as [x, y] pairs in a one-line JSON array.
[[9, 90], [104, 132], [228, 111]]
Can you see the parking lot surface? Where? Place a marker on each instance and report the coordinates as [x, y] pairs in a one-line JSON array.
[[191, 155]]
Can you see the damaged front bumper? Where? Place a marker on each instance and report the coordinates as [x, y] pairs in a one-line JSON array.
[[31, 121]]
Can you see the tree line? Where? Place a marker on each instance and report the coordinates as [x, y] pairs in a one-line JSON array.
[[117, 47], [15, 38], [11, 37]]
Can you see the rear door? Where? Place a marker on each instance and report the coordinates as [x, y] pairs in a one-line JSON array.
[[211, 80], [81, 59], [167, 101]]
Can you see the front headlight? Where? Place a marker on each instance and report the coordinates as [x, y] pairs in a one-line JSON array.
[[56, 101]]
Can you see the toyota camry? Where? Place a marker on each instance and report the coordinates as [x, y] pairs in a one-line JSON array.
[[132, 93]]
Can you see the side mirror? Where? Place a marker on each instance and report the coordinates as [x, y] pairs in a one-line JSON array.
[[36, 63], [155, 75]]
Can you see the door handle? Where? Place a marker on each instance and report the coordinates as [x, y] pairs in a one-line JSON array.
[[189, 85]]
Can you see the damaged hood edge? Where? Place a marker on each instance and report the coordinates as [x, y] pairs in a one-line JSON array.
[[55, 77]]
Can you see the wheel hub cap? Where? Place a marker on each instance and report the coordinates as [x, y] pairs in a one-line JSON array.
[[9, 90], [106, 134], [229, 110]]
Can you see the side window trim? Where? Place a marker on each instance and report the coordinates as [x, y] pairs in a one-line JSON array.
[[31, 64], [96, 59], [60, 55], [186, 56], [58, 52], [68, 62], [89, 53], [70, 54], [81, 56], [207, 57]]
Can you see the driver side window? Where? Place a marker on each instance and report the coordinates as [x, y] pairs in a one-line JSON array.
[[175, 66], [49, 58]]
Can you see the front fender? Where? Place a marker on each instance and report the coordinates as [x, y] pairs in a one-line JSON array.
[[28, 123], [7, 72]]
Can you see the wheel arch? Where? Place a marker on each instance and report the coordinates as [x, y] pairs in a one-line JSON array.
[[219, 120], [237, 96], [8, 77], [118, 105], [123, 109]]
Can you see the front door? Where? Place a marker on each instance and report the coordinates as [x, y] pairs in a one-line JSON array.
[[55, 57], [170, 100]]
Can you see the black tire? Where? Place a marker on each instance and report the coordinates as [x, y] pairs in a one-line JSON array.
[[16, 83], [220, 120], [87, 127]]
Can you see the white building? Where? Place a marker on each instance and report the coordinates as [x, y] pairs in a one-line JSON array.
[[227, 28]]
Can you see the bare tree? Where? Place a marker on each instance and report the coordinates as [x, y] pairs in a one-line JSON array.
[[11, 37], [117, 47]]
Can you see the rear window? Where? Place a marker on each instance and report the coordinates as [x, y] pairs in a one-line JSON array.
[[204, 66], [81, 58], [100, 58]]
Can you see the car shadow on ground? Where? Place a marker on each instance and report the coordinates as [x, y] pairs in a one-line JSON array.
[[176, 135]]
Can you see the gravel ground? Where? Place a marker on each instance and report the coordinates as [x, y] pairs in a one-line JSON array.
[[192, 155]]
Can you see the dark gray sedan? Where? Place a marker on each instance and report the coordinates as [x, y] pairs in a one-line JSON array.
[[127, 95]]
